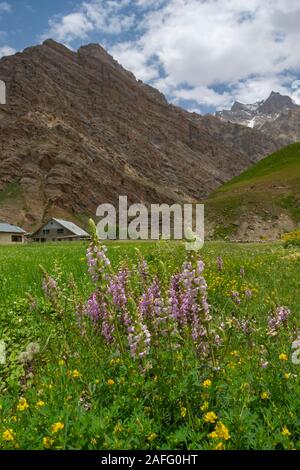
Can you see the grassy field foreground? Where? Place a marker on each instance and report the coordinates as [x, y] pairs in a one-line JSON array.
[[143, 353]]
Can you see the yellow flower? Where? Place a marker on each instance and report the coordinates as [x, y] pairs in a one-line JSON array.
[[210, 417], [285, 432], [183, 411], [57, 427], [97, 381], [220, 432], [231, 365], [179, 356], [48, 442], [207, 383], [116, 361], [220, 446], [204, 407], [76, 374], [22, 405], [152, 437], [283, 357], [40, 404], [118, 428], [287, 375], [264, 395], [110, 382], [8, 435], [234, 353], [61, 362]]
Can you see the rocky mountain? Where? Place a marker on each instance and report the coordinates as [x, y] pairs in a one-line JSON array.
[[79, 130], [286, 127], [259, 114]]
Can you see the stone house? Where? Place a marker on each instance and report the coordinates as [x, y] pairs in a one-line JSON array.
[[11, 234], [57, 230]]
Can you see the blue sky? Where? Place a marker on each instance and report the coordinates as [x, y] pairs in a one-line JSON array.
[[202, 54]]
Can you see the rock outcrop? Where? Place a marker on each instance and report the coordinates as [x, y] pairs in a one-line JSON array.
[[79, 130]]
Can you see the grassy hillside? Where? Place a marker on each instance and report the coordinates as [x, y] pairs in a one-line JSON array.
[[264, 201]]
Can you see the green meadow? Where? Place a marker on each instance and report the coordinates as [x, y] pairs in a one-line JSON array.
[[158, 369]]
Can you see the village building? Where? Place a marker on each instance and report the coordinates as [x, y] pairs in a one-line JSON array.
[[11, 234], [57, 230]]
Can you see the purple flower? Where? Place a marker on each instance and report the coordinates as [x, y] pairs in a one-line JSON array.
[[188, 303], [248, 293], [278, 318], [143, 270], [117, 288], [150, 305], [139, 339], [49, 286], [92, 308], [96, 309], [245, 326], [236, 297], [97, 261]]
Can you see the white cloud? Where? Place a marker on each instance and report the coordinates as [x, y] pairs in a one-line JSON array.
[[135, 61], [69, 27], [150, 3], [106, 16], [190, 49], [6, 50], [203, 95], [247, 45], [257, 89], [96, 15]]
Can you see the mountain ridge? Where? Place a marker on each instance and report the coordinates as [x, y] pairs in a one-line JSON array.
[[78, 130], [264, 114]]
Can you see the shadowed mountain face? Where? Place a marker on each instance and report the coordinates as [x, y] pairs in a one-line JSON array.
[[78, 130]]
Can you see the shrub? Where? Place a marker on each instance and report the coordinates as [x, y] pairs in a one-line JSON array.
[[291, 239]]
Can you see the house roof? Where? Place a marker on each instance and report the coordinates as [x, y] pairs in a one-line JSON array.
[[8, 228], [72, 228]]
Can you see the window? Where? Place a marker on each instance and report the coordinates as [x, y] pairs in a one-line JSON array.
[[60, 230], [46, 232], [16, 238]]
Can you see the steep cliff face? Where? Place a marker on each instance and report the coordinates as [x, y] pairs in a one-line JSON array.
[[286, 127], [78, 130]]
